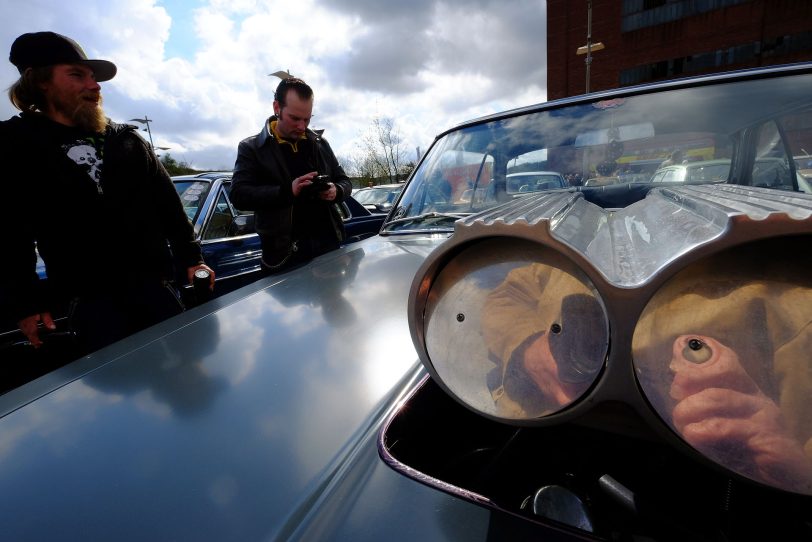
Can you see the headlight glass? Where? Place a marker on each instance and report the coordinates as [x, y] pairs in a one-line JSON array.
[[514, 330], [723, 352]]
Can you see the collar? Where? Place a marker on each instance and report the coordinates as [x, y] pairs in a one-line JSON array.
[[268, 132], [274, 133]]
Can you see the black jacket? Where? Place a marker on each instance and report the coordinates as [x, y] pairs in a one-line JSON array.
[[91, 243], [262, 183]]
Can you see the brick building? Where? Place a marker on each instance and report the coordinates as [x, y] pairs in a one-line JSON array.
[[651, 40]]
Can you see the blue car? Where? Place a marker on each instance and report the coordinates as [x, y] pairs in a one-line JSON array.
[[230, 244], [629, 361]]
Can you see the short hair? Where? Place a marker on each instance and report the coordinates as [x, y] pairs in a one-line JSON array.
[[25, 94], [301, 88]]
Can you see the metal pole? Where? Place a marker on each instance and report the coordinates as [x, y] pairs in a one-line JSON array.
[[588, 59], [147, 120]]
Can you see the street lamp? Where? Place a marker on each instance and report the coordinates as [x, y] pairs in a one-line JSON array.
[[589, 47], [146, 120]]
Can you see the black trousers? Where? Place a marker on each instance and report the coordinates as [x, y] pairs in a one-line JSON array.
[[103, 318]]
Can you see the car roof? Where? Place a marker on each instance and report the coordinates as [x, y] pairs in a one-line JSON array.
[[211, 175]]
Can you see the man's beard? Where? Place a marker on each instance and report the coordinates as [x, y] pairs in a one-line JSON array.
[[85, 115]]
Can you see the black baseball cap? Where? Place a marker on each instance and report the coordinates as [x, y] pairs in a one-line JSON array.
[[39, 49]]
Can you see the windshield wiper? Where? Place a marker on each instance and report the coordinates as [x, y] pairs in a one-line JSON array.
[[424, 217]]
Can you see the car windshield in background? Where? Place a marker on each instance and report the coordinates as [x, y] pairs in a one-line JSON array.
[[534, 181], [690, 133], [374, 195], [378, 199], [192, 194]]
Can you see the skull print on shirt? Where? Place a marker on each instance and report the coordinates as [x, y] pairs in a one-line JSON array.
[[87, 156]]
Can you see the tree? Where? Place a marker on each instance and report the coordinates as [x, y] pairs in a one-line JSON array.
[[173, 167], [361, 168], [382, 152]]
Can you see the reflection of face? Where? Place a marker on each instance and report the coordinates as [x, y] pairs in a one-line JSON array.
[[543, 369], [294, 118]]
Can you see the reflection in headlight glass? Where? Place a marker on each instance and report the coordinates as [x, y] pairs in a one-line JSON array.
[[723, 352], [515, 330]]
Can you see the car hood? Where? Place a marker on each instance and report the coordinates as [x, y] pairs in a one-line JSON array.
[[221, 423]]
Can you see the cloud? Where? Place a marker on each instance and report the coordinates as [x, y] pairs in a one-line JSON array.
[[428, 64]]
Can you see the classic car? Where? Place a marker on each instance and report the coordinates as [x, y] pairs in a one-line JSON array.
[[766, 172], [379, 198], [535, 366], [703, 171], [534, 181]]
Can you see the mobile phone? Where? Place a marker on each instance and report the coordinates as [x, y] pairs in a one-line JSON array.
[[321, 182]]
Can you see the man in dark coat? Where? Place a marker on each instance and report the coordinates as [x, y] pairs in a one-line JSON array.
[[92, 198], [290, 177]]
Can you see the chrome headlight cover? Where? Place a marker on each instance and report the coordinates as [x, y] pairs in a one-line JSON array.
[[623, 257]]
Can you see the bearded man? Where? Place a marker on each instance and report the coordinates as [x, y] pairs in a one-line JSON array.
[[92, 198]]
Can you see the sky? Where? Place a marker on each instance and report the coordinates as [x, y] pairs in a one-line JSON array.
[[200, 69]]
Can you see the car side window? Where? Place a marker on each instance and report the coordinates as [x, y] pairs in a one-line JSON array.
[[220, 222], [771, 167], [239, 212], [343, 211]]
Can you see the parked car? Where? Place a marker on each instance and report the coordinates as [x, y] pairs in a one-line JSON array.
[[693, 172], [534, 181], [493, 369], [227, 236], [767, 172], [230, 246], [379, 198]]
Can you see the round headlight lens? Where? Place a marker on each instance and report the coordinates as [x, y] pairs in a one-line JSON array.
[[514, 330], [723, 352]]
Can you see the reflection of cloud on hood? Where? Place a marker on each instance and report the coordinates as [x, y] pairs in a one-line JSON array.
[[49, 424], [242, 334], [145, 401]]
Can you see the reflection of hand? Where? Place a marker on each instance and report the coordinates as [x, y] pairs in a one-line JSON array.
[[721, 411], [543, 369]]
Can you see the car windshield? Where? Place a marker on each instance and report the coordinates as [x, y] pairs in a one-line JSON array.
[[192, 193], [376, 195], [616, 141]]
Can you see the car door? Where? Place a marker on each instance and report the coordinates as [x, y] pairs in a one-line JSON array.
[[359, 223], [230, 245]]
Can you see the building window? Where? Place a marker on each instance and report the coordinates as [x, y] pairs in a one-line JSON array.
[[644, 13], [717, 60]]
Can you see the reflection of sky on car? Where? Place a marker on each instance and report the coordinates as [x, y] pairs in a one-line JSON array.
[[301, 384], [192, 194]]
